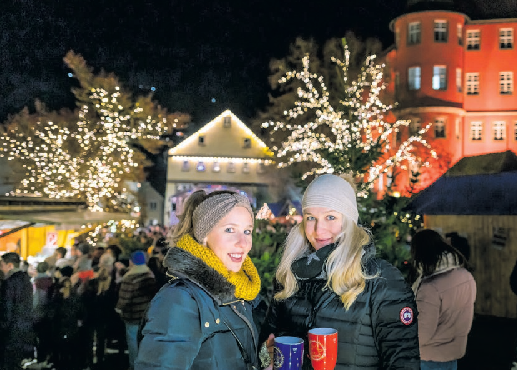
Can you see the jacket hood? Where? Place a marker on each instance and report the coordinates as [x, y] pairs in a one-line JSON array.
[[181, 264]]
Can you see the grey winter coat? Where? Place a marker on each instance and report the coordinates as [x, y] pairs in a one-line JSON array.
[[195, 322]]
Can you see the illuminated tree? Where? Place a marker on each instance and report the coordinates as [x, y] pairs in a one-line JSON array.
[[91, 153], [348, 133]]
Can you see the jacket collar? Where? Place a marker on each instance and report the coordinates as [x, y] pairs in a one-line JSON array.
[[182, 264]]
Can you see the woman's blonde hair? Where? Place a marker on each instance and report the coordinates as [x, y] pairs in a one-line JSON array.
[[345, 274]]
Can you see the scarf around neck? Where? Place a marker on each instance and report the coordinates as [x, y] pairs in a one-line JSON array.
[[312, 265], [246, 281]]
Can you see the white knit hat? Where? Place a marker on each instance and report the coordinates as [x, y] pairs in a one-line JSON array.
[[332, 192]]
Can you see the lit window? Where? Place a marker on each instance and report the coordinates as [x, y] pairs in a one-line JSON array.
[[440, 31], [473, 40], [231, 167], [459, 76], [216, 167], [414, 33], [457, 128], [397, 37], [439, 128], [439, 78], [227, 121], [414, 78], [472, 82], [506, 83], [200, 167], [245, 168], [247, 142], [499, 128], [414, 126], [186, 166], [459, 34], [506, 38], [476, 130], [201, 140]]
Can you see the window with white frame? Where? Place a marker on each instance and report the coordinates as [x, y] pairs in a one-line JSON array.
[[200, 167], [459, 77], [415, 126], [440, 31], [459, 34], [216, 167], [245, 168], [439, 78], [227, 121], [506, 83], [476, 130], [439, 127], [457, 128], [230, 167], [414, 78], [506, 38], [397, 37], [499, 128], [473, 39], [186, 166], [472, 82], [414, 33]]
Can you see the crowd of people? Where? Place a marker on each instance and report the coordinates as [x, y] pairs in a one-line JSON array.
[[192, 301], [70, 309]]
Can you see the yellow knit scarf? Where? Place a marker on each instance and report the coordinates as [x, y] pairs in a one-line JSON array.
[[246, 281]]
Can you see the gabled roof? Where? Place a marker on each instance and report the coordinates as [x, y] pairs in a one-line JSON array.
[[479, 185], [224, 142]]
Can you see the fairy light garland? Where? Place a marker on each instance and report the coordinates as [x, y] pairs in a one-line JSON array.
[[357, 123]]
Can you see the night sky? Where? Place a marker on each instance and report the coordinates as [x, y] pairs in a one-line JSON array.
[[190, 51]]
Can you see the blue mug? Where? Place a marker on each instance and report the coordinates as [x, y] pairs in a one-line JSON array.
[[288, 353]]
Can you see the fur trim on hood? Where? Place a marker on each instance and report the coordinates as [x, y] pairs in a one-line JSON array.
[[181, 264]]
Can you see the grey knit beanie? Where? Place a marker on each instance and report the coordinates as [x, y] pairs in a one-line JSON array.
[[210, 211], [332, 192]]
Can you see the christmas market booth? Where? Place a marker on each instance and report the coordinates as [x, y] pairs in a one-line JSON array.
[[34, 225], [477, 198]]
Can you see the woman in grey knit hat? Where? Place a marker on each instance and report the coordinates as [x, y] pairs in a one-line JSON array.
[[329, 277], [202, 318]]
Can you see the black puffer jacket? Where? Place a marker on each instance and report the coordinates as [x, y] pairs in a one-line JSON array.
[[371, 334], [195, 322]]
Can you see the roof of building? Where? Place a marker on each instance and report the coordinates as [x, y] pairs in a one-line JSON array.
[[478, 185]]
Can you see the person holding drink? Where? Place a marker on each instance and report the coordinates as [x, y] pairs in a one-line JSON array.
[[329, 280], [202, 318]]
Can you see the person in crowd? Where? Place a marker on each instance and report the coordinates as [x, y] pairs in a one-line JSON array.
[[69, 314], [445, 294], [42, 290], [83, 263], [202, 318], [329, 277], [61, 261], [16, 333], [96, 256], [137, 289], [160, 249]]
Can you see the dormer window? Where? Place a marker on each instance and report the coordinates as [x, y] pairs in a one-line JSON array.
[[227, 122], [201, 141], [247, 143]]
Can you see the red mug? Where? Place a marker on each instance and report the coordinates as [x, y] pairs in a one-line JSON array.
[[323, 348]]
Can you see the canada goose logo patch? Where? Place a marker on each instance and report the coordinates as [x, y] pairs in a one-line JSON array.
[[406, 315]]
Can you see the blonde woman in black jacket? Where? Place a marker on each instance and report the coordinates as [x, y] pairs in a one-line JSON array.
[[329, 277]]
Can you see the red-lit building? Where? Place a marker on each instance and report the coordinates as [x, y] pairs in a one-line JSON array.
[[458, 74]]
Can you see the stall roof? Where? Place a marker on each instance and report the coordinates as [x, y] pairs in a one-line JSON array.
[[479, 185]]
